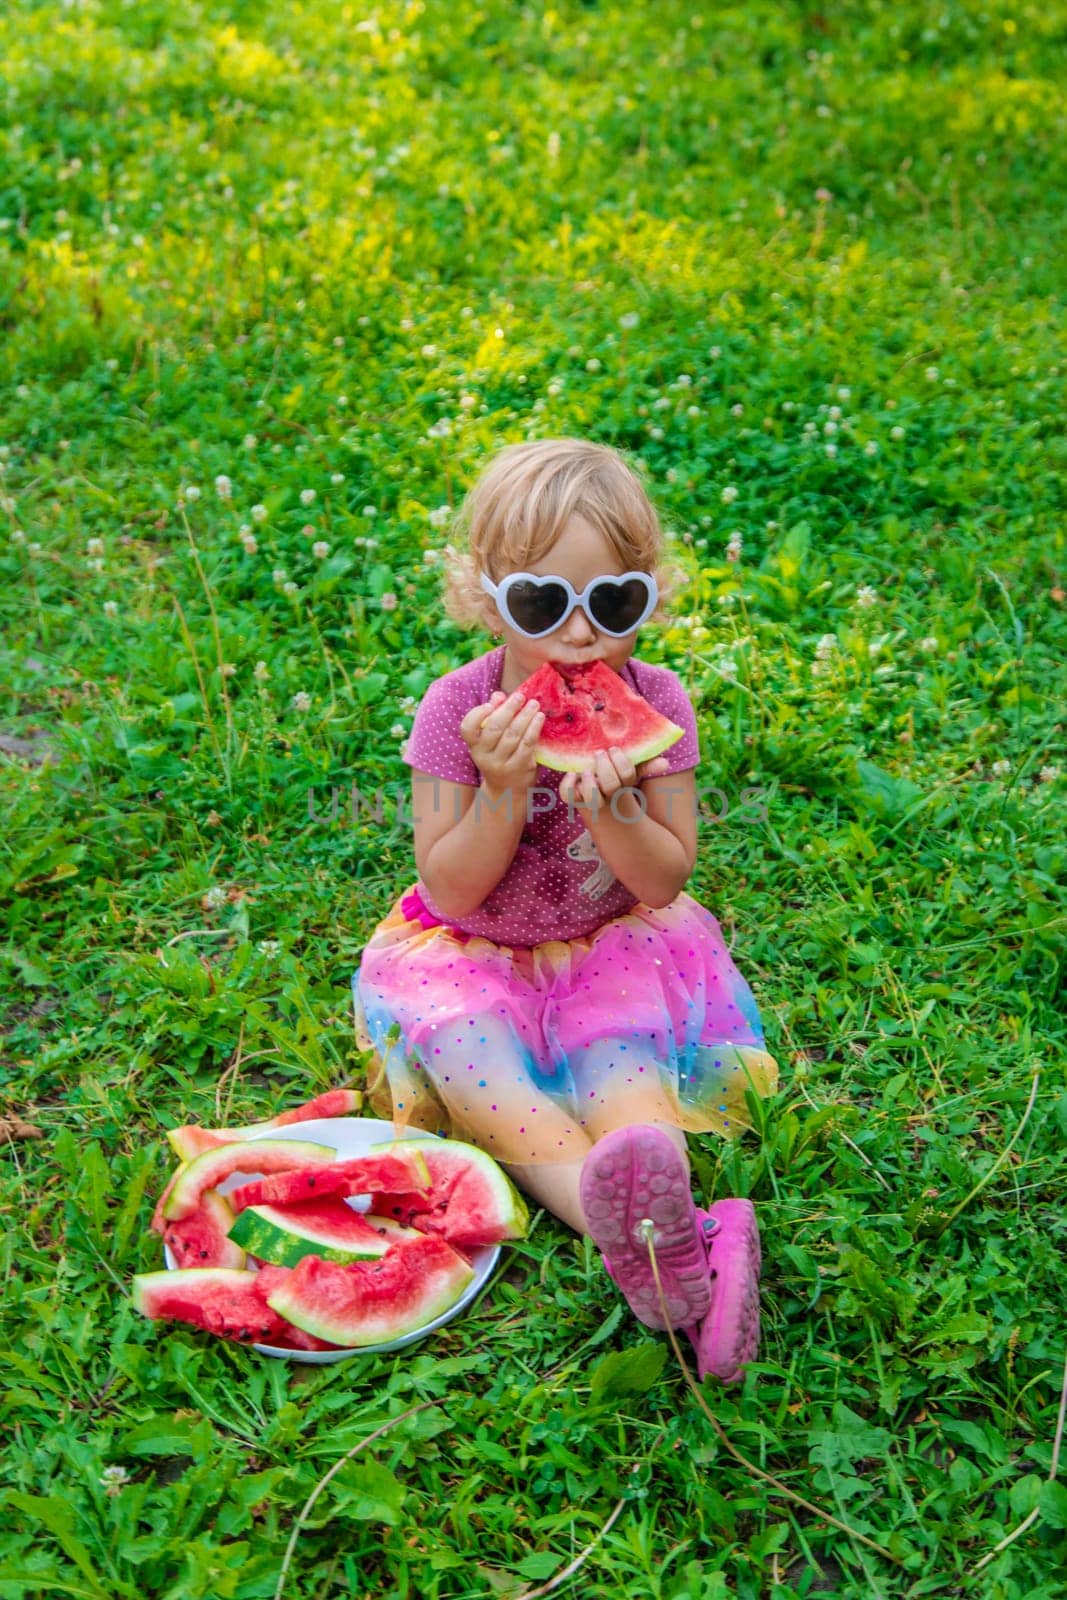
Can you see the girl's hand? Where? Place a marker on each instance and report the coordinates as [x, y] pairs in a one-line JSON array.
[[609, 772], [502, 736]]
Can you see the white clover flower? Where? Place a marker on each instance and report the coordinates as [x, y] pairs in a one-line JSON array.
[[408, 704], [279, 575], [467, 402], [259, 513], [655, 433], [729, 495], [398, 730], [250, 441], [715, 352], [308, 530], [817, 669], [406, 324], [96, 566], [829, 427], [248, 544], [223, 487], [844, 394], [95, 547], [439, 517], [388, 601], [307, 497], [301, 701], [429, 351], [671, 475], [810, 428], [192, 493], [214, 898], [866, 597], [662, 404], [320, 549], [897, 432], [227, 669], [1000, 769], [1048, 774], [831, 450], [338, 341], [683, 381], [929, 644], [931, 374], [692, 411], [826, 646], [728, 667], [733, 549], [431, 557], [372, 544], [370, 511], [737, 410], [554, 389], [440, 429], [269, 947], [342, 400], [336, 478], [592, 365], [871, 447], [111, 608], [290, 589], [113, 1480], [261, 672], [552, 144], [834, 412], [629, 319]]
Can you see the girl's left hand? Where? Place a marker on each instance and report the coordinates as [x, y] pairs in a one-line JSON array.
[[609, 771]]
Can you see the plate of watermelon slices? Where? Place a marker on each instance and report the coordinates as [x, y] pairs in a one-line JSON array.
[[327, 1237]]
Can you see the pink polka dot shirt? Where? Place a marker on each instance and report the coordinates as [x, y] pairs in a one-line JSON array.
[[556, 887]]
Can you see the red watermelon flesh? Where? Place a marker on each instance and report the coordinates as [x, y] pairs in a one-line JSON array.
[[372, 1302], [588, 708], [190, 1140], [207, 1171], [218, 1299], [267, 1280], [472, 1202], [200, 1240], [380, 1174]]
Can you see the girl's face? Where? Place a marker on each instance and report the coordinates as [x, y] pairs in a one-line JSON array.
[[580, 553]]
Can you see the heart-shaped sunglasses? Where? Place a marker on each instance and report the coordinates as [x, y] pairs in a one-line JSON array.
[[534, 605]]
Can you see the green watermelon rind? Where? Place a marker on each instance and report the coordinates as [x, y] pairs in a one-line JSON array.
[[207, 1171], [190, 1140], [373, 1329], [636, 753], [274, 1234], [513, 1214]]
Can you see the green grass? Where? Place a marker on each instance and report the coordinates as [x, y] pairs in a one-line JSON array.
[[277, 243]]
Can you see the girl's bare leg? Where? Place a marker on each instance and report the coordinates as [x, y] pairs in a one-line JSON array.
[[554, 1186]]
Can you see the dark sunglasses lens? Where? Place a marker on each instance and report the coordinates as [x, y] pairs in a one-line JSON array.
[[536, 607], [617, 606]]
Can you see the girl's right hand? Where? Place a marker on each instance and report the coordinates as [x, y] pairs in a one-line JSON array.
[[501, 736]]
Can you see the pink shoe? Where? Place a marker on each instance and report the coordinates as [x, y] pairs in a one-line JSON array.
[[629, 1175], [728, 1336]]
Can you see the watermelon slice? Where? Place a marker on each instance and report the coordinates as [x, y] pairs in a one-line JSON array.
[[200, 1239], [472, 1202], [217, 1299], [267, 1280], [191, 1141], [329, 1228], [379, 1174], [209, 1170], [373, 1302], [589, 708]]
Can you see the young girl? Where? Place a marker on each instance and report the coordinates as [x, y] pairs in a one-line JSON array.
[[547, 990]]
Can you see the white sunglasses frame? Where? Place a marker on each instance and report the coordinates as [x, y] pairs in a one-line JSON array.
[[499, 592]]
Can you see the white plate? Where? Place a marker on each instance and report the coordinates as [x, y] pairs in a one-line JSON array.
[[350, 1137]]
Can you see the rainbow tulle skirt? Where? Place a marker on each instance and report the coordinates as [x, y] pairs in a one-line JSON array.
[[533, 1053]]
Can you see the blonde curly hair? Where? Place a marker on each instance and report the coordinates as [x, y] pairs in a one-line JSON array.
[[520, 504]]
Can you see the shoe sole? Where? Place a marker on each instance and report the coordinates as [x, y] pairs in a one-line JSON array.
[[631, 1175]]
